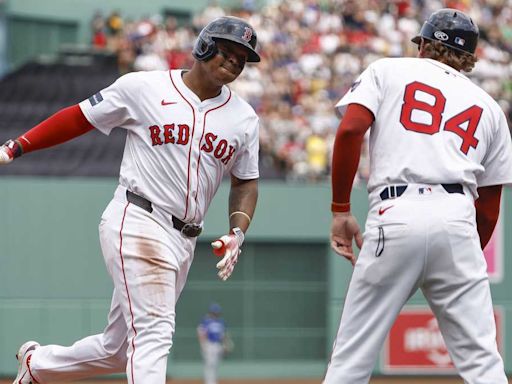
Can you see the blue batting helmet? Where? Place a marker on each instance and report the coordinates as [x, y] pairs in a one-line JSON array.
[[226, 28]]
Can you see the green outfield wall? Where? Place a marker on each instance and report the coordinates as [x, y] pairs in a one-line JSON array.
[[282, 304]]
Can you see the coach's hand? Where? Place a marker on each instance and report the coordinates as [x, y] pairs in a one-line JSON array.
[[228, 247], [9, 151], [344, 229]]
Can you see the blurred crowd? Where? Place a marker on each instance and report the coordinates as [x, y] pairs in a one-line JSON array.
[[312, 51]]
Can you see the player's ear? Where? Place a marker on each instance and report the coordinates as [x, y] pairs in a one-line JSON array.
[[421, 46]]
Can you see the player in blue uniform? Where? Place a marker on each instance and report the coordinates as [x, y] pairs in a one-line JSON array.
[[212, 335]]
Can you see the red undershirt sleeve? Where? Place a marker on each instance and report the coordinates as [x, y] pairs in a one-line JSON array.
[[347, 150], [63, 126]]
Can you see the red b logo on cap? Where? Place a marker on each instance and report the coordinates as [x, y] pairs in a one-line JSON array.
[[247, 34]]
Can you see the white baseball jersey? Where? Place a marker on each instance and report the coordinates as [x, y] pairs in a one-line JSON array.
[[432, 125], [177, 147]]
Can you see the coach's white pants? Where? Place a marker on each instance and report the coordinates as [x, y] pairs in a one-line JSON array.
[[428, 240], [148, 262]]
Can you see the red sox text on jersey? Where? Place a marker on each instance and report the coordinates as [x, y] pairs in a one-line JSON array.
[[179, 134]]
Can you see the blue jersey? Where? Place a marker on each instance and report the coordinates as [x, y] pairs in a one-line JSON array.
[[215, 329]]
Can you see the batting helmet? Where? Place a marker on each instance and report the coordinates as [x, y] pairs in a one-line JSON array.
[[452, 28], [227, 28]]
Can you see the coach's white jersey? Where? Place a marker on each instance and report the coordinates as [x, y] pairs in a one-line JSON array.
[[177, 147], [432, 125]]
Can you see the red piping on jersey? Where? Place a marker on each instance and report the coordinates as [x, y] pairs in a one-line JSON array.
[[199, 158], [126, 287], [19, 382], [191, 140], [30, 370]]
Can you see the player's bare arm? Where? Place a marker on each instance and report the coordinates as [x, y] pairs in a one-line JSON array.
[[201, 335], [487, 211], [243, 197], [242, 203], [346, 154]]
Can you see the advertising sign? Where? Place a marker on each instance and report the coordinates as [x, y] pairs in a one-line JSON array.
[[415, 344]]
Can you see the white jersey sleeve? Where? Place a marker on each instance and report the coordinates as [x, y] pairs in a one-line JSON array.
[[246, 163], [365, 91], [498, 160], [112, 106]]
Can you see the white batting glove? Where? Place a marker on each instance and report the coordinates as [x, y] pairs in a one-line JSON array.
[[228, 247], [8, 151]]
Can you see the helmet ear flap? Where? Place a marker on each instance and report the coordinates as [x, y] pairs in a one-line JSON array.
[[205, 48], [213, 50]]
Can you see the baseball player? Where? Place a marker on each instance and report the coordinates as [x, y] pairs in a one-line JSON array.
[[440, 152], [185, 129], [212, 336]]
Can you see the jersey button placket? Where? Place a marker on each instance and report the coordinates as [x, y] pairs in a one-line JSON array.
[[196, 154], [200, 116]]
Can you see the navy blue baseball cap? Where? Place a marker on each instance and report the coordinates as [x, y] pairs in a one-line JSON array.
[[214, 308]]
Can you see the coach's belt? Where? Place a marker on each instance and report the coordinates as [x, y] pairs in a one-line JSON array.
[[189, 230], [394, 191]]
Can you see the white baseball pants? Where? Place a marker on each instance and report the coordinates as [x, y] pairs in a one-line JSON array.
[[212, 355], [426, 239], [148, 261]]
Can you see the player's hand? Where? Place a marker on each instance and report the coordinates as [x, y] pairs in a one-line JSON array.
[[8, 151], [227, 247], [344, 229]]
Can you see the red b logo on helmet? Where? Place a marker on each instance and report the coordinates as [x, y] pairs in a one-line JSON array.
[[247, 34]]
